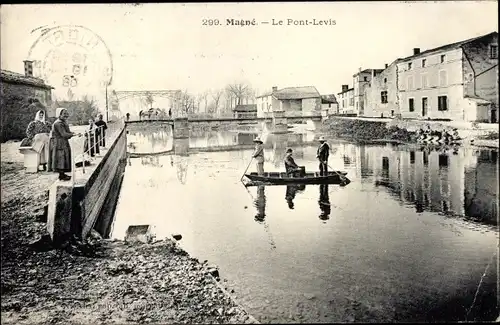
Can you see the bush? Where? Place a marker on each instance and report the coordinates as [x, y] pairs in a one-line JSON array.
[[366, 130]]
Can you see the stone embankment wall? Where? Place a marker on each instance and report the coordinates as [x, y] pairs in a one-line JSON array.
[[74, 207]]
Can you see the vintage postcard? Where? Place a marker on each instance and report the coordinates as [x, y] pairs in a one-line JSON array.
[[250, 162]]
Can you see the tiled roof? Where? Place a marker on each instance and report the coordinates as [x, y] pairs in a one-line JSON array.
[[368, 71], [14, 77], [246, 108], [328, 99], [294, 93], [348, 90], [447, 47]]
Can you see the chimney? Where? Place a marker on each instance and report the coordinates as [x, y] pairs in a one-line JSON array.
[[28, 68], [275, 88], [345, 87], [386, 65], [416, 51]]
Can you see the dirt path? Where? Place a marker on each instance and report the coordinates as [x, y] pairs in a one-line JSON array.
[[102, 282]]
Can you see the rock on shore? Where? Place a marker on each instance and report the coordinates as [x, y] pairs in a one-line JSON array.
[[106, 282]]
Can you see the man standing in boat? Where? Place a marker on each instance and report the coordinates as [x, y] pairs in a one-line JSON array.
[[259, 155], [322, 155]]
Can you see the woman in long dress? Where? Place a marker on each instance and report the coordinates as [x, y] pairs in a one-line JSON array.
[[60, 149], [37, 136], [91, 145]]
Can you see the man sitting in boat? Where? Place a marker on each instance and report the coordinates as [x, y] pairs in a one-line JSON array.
[[292, 169]]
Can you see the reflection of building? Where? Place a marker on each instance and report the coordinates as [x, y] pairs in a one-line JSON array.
[[481, 187], [442, 181]]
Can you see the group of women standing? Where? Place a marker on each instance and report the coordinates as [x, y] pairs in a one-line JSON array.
[[52, 141]]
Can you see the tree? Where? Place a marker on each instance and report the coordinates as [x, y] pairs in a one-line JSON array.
[[80, 111], [239, 91], [186, 102], [216, 96], [148, 100]]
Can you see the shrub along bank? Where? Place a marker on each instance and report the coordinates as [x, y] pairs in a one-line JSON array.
[[360, 130]]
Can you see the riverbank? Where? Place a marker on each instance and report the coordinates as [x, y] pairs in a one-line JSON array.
[[373, 130], [102, 281]]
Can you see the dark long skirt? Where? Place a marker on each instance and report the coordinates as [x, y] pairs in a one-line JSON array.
[[59, 155], [94, 149]]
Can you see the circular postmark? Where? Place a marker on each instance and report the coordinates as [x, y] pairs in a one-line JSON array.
[[73, 59]]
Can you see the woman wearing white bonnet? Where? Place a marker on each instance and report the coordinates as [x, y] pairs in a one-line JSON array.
[[37, 136]]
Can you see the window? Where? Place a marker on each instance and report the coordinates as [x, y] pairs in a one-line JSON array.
[[356, 105], [423, 63], [411, 104], [385, 163], [412, 157], [493, 51], [426, 158], [409, 65], [383, 97], [443, 80], [443, 160], [424, 81], [351, 102], [385, 80], [443, 58], [329, 105], [410, 83], [365, 78], [442, 103]]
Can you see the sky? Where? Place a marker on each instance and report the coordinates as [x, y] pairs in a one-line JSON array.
[[166, 46]]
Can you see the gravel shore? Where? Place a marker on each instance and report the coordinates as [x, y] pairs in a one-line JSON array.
[[102, 281]]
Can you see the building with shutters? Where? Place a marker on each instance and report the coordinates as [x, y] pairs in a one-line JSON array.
[[457, 81]]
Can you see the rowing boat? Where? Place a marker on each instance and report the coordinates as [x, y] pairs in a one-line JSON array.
[[276, 178]]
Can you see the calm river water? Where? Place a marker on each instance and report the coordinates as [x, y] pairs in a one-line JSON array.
[[412, 238]]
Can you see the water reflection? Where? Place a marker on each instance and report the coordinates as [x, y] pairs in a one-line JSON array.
[[449, 180], [324, 202], [260, 217], [390, 252], [291, 191]]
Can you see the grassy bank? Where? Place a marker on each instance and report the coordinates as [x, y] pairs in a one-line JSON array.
[[102, 281], [360, 130]]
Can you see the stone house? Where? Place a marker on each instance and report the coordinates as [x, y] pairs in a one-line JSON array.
[[18, 91], [294, 101], [329, 102], [360, 82], [457, 81], [346, 101], [381, 94], [245, 111]]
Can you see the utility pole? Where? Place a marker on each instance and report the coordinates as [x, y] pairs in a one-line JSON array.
[[107, 109]]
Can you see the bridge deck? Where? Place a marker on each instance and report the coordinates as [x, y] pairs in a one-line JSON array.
[[226, 119]]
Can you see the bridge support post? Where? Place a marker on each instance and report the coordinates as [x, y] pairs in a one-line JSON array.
[[325, 114], [181, 146], [280, 122], [181, 128], [314, 123]]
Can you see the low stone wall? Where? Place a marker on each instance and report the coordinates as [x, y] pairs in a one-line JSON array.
[[75, 207]]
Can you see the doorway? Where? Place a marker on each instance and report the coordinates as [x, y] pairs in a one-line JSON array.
[[493, 116], [424, 106]]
